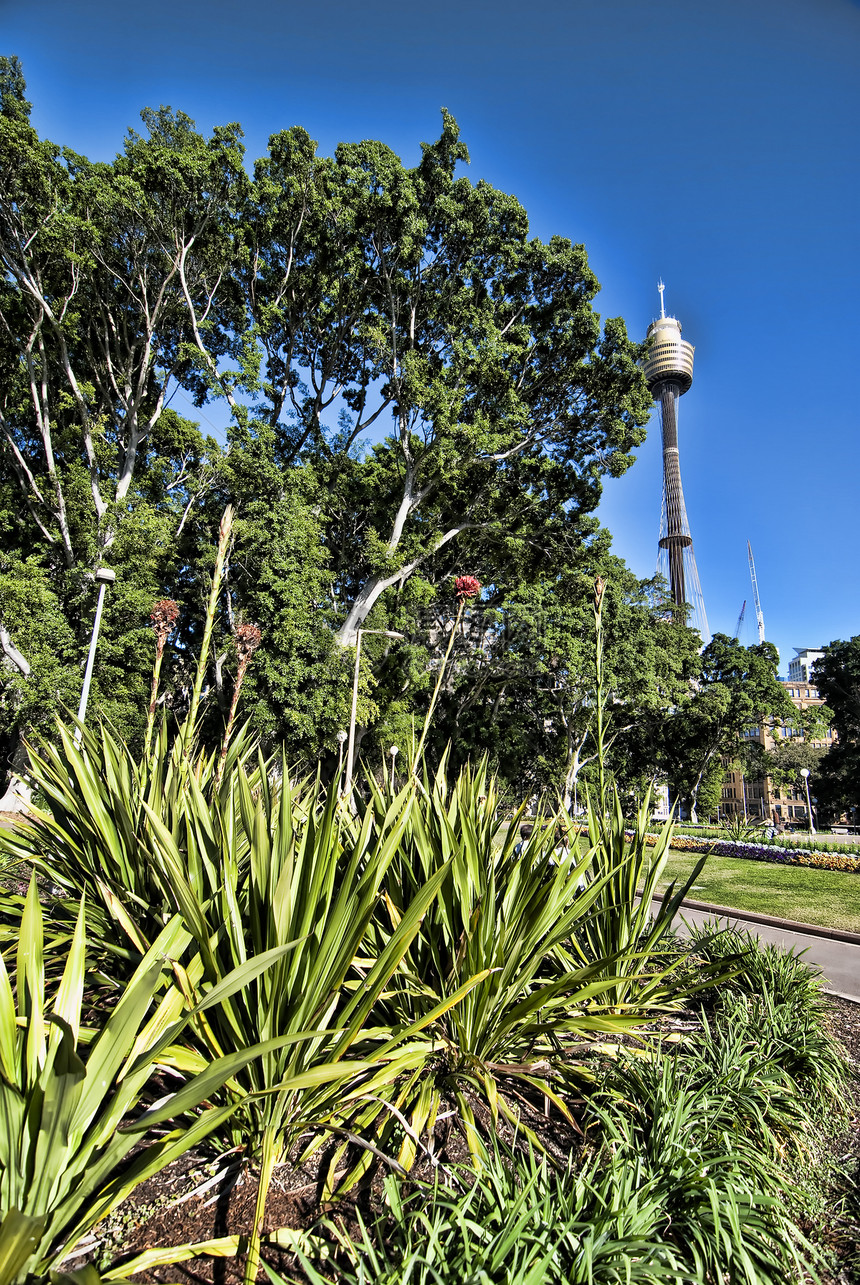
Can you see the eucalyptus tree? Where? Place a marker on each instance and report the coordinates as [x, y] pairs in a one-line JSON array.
[[114, 279], [112, 290], [413, 304]]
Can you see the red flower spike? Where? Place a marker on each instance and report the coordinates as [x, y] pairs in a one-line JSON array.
[[248, 638], [164, 615], [466, 587]]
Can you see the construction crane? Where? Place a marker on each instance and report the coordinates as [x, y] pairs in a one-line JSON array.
[[740, 621], [759, 617]]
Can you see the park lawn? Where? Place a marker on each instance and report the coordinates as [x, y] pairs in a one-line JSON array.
[[829, 898]]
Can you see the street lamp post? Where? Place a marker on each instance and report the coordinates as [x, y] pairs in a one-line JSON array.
[[804, 772], [350, 752], [341, 741], [104, 576]]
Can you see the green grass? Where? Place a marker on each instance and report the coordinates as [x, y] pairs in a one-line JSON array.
[[826, 897]]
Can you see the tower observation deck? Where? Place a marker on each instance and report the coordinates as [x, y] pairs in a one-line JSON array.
[[668, 368]]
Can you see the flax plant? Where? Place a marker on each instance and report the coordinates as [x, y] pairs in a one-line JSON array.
[[92, 835], [70, 1097], [312, 876], [492, 937]]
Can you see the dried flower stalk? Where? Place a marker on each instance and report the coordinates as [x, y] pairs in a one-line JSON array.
[[248, 638], [163, 617], [225, 532]]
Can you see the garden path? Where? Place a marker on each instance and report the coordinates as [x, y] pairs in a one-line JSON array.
[[838, 961]]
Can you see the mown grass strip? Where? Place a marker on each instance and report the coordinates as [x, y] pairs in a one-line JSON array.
[[825, 897]]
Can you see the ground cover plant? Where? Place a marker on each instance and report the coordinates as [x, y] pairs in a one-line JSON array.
[[749, 829], [699, 1161], [826, 859]]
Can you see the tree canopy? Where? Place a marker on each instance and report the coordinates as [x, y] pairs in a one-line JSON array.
[[837, 675], [738, 689], [416, 386]]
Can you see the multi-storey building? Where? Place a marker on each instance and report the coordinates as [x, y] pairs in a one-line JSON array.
[[762, 798], [800, 669]]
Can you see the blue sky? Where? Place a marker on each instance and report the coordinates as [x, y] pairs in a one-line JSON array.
[[711, 144]]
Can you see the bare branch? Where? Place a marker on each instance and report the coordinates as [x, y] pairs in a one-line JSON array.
[[12, 653]]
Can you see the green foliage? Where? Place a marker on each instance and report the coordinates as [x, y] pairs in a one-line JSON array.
[[288, 877], [685, 1178], [777, 999], [638, 945], [321, 973], [619, 930], [516, 1222], [738, 689], [94, 835], [489, 977], [410, 298], [722, 1199], [526, 653], [837, 674], [45, 640], [741, 828], [784, 764], [13, 104], [70, 1097]]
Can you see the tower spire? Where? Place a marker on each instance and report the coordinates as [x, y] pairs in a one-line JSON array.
[[668, 368]]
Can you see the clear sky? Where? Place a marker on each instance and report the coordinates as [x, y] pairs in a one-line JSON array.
[[711, 144]]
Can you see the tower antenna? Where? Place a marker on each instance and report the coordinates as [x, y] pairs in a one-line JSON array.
[[758, 614], [668, 368]]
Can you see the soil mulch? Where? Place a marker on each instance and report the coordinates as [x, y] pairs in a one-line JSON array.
[[163, 1210]]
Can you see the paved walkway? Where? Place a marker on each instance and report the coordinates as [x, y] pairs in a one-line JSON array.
[[839, 961]]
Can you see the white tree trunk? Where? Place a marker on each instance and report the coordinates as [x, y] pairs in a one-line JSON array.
[[18, 792]]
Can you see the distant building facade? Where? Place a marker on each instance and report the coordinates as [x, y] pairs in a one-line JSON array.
[[800, 669], [761, 798]]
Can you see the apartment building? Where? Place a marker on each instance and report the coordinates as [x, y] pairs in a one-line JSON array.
[[761, 798], [800, 669]]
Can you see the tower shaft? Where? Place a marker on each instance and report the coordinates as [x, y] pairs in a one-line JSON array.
[[668, 368], [675, 537]]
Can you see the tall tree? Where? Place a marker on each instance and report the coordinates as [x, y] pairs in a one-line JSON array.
[[414, 300], [114, 278], [414, 382], [111, 291], [837, 675], [738, 689]]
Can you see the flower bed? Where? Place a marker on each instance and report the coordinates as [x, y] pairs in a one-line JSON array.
[[802, 843], [767, 852]]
